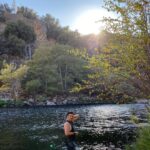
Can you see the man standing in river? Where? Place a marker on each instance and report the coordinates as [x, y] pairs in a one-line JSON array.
[[69, 131]]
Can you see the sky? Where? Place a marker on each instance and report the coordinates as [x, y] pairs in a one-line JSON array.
[[72, 13]]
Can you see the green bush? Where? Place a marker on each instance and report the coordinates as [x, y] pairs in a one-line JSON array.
[[18, 103], [41, 98], [2, 103], [9, 103], [143, 139]]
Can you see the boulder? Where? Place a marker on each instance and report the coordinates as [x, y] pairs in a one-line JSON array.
[[143, 101], [48, 103]]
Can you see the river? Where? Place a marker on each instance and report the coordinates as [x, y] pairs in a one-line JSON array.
[[100, 127]]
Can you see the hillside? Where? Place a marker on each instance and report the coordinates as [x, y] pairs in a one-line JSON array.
[[48, 29], [41, 60]]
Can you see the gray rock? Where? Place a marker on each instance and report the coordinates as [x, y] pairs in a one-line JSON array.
[[48, 103]]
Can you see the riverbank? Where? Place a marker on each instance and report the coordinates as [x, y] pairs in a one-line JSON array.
[[65, 101], [26, 105]]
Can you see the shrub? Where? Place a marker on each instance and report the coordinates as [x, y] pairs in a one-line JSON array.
[[2, 103], [143, 139], [19, 103]]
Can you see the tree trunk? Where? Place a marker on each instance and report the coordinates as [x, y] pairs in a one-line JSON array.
[[66, 69], [28, 52], [61, 78], [46, 86]]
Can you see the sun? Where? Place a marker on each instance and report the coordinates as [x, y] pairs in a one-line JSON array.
[[89, 21]]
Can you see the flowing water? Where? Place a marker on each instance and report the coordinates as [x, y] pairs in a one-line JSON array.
[[101, 127]]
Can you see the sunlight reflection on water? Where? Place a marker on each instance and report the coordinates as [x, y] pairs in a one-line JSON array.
[[99, 126]]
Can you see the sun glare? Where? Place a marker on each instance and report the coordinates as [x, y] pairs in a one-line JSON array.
[[89, 21]]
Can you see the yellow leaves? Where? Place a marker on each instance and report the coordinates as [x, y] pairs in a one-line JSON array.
[[137, 6], [20, 72], [4, 88], [95, 76], [107, 50], [106, 65], [9, 75], [77, 88], [93, 61], [79, 53], [120, 10], [6, 72], [9, 72]]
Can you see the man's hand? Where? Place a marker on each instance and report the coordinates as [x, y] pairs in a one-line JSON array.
[[76, 117], [76, 133]]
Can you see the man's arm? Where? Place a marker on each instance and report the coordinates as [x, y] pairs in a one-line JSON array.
[[76, 117], [67, 129]]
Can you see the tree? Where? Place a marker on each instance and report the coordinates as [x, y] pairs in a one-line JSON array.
[[62, 35], [21, 31], [17, 40], [52, 26], [69, 67], [56, 68], [4, 8], [42, 69], [27, 12], [105, 77], [66, 36], [32, 88], [15, 46], [130, 43], [10, 78]]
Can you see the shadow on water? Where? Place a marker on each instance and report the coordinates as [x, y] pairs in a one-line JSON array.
[[39, 128], [25, 141], [116, 138], [40, 140]]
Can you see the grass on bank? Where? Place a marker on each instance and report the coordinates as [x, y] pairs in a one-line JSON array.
[[143, 140], [10, 103]]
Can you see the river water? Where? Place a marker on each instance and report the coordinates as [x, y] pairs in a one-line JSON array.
[[101, 127]]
